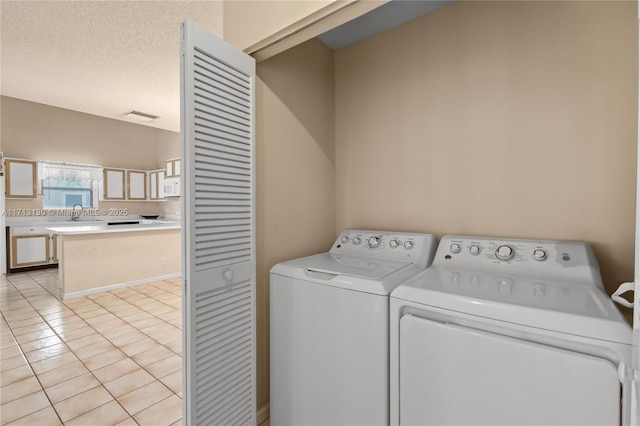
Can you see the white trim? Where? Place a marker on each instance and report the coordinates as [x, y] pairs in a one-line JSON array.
[[325, 19], [65, 296]]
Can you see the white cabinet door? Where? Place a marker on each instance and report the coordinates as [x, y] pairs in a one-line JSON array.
[[29, 250], [156, 185], [218, 230], [153, 185], [173, 168], [21, 178], [136, 185], [114, 184], [160, 183]]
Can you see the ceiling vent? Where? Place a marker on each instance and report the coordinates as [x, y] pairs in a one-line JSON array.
[[139, 116]]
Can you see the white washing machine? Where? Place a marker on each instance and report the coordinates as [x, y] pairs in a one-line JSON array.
[[508, 332], [330, 328]]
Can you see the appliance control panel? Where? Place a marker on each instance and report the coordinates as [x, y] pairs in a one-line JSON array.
[[558, 259], [418, 248]]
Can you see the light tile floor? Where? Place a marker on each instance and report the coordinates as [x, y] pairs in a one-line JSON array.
[[112, 358]]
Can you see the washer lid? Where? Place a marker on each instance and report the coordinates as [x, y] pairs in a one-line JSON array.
[[573, 307], [351, 265]]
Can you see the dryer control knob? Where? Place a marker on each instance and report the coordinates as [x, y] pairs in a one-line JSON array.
[[474, 250], [356, 240], [393, 243], [345, 239], [408, 245], [505, 252], [455, 248], [374, 242], [539, 255]]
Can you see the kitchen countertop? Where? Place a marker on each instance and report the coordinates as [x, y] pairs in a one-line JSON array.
[[103, 227]]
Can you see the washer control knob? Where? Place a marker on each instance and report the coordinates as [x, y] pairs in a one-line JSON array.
[[408, 245], [345, 239], [505, 252], [539, 255], [356, 240], [539, 290], [394, 243], [455, 248], [505, 287], [474, 250], [373, 242]]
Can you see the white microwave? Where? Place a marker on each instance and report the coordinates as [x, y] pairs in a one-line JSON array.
[[172, 187]]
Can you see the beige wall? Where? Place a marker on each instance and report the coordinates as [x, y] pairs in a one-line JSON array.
[[294, 171], [41, 132], [513, 119], [90, 261]]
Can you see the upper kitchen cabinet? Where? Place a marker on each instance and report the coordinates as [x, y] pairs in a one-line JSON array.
[[156, 185], [136, 185], [266, 28], [114, 184], [21, 178], [173, 168]]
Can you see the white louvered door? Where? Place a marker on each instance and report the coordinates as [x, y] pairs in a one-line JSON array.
[[217, 106]]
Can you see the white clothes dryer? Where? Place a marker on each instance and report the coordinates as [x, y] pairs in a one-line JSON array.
[[509, 332], [330, 328]]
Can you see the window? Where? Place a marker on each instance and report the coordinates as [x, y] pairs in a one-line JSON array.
[[65, 184]]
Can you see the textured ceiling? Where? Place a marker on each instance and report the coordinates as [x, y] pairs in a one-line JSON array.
[[99, 57]]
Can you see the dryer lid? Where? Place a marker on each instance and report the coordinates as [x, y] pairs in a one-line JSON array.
[[350, 265]]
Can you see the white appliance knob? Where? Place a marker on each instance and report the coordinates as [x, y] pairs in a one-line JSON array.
[[505, 252], [356, 240], [474, 250], [408, 245], [475, 281], [455, 248], [539, 291], [345, 239], [374, 242], [539, 255], [393, 243], [504, 287]]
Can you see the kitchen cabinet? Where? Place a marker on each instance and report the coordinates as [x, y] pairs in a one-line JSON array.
[[173, 168], [156, 185], [136, 185], [31, 246], [21, 178], [113, 183]]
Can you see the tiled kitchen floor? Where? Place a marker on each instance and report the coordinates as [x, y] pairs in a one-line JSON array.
[[111, 358]]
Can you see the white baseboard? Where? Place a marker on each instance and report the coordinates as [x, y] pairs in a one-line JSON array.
[[262, 415], [117, 286]]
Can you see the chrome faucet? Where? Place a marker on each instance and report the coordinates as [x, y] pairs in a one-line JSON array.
[[74, 214]]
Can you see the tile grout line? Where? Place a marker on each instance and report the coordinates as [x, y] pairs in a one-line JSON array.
[[101, 384], [102, 306], [27, 360]]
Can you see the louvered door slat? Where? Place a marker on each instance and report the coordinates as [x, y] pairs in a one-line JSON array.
[[217, 149], [219, 235], [223, 164], [230, 79], [219, 137]]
